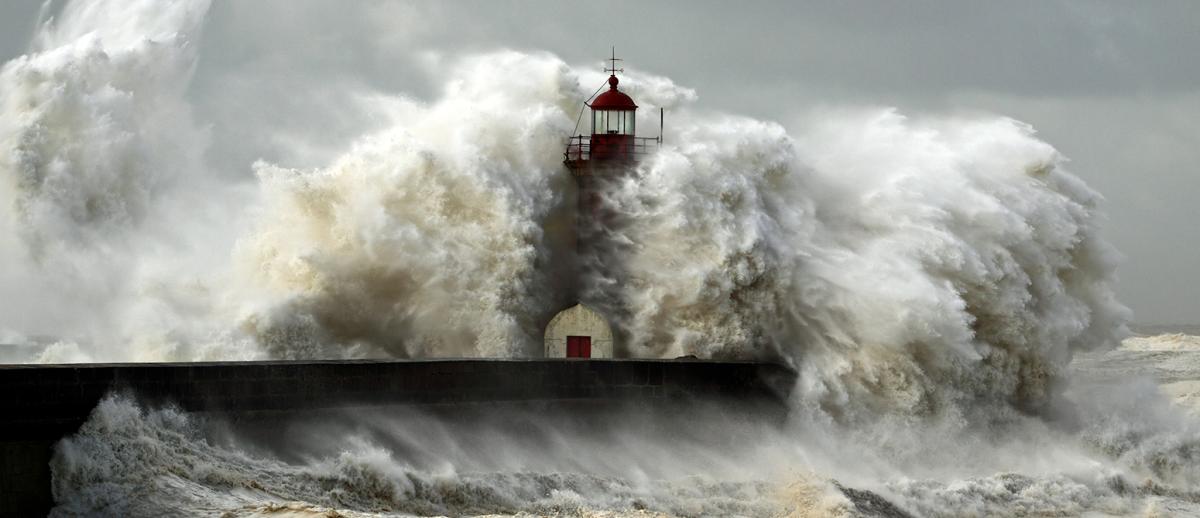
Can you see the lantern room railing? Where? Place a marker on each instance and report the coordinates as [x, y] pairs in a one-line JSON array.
[[579, 148]]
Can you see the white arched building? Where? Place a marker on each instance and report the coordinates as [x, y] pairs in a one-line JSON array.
[[579, 332]]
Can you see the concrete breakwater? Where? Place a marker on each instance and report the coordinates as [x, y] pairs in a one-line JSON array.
[[43, 403]]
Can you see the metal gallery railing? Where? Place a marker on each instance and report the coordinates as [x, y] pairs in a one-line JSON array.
[[579, 148]]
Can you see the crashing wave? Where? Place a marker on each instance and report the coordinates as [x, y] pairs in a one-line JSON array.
[[904, 266]]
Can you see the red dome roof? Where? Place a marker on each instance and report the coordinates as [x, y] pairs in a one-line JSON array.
[[613, 99]]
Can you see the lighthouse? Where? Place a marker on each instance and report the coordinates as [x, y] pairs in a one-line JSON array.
[[609, 151], [612, 145]]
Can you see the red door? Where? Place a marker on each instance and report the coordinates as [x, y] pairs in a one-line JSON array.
[[579, 347]]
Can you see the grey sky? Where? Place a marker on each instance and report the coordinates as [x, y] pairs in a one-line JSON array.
[[1113, 85]]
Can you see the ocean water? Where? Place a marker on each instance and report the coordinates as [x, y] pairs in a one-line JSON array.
[[941, 284]]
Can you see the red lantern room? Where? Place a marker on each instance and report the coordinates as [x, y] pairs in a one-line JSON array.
[[614, 116], [613, 141]]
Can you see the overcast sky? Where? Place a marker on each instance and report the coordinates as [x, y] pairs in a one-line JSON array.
[[1115, 86]]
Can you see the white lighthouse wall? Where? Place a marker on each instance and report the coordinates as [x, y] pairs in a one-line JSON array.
[[579, 320]]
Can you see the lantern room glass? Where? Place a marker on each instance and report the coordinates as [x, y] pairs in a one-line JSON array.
[[613, 122]]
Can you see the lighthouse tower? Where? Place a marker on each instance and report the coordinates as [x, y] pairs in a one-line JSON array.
[[609, 151]]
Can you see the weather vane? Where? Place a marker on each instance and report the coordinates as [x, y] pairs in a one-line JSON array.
[[614, 60]]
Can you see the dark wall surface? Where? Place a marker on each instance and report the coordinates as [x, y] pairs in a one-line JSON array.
[[43, 403]]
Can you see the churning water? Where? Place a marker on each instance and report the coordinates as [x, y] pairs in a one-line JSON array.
[[939, 283]]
